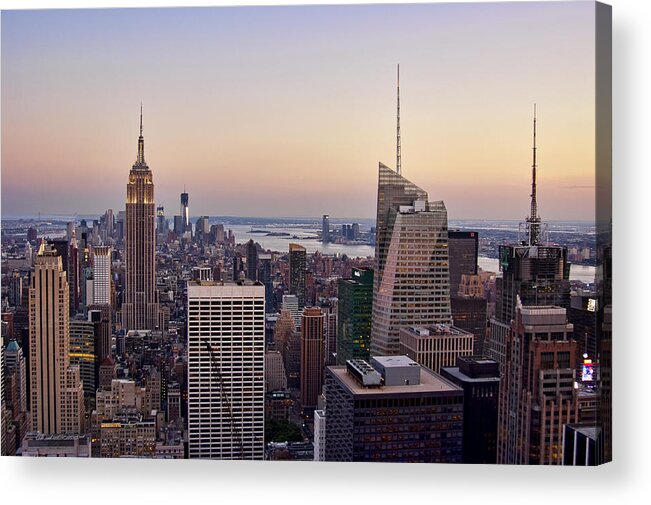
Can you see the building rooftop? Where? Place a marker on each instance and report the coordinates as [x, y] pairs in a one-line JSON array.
[[430, 382], [435, 330]]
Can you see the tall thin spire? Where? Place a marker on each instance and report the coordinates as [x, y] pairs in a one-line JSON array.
[[141, 144], [398, 156], [533, 221]]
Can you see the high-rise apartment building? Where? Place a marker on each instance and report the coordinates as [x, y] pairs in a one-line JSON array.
[[354, 316], [312, 357], [140, 310], [297, 270], [411, 282], [56, 394], [101, 275], [226, 360], [537, 389]]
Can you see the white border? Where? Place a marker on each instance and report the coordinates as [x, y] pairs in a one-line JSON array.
[[81, 481]]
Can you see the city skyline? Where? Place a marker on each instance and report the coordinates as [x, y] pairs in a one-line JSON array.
[[327, 103]]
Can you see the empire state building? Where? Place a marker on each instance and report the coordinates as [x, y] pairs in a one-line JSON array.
[[140, 310]]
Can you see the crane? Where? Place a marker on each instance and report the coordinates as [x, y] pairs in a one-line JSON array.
[[236, 434]]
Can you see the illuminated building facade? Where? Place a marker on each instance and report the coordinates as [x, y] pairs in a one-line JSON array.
[[140, 310]]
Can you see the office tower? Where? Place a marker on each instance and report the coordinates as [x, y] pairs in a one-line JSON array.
[[15, 288], [329, 306], [83, 355], [265, 277], [290, 303], [534, 271], [56, 394], [392, 410], [411, 254], [583, 445], [297, 270], [325, 229], [463, 247], [319, 435], [179, 227], [101, 275], [354, 316], [140, 306], [238, 267], [251, 260], [185, 212], [312, 359], [469, 308], [226, 384], [100, 317], [480, 380], [275, 377], [202, 229], [435, 346], [160, 220], [32, 234], [14, 362], [537, 393], [15, 415]]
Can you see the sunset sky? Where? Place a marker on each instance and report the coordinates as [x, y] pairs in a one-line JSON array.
[[286, 111]]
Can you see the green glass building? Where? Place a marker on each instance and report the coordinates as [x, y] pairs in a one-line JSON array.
[[354, 317]]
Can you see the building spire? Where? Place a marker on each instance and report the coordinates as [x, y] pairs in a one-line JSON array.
[[398, 155], [141, 143], [533, 221]]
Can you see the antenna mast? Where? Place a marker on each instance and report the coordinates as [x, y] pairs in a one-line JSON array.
[[533, 221], [398, 160]]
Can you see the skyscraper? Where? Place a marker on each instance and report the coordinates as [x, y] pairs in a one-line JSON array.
[[411, 281], [226, 360], [354, 318], [535, 271], [312, 357], [411, 256], [185, 211], [391, 410], [297, 269], [480, 379], [463, 249], [56, 394], [140, 309], [101, 275], [251, 260], [325, 229], [537, 393]]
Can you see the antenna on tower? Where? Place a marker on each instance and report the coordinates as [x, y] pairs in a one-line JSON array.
[[141, 119], [533, 221], [398, 155]]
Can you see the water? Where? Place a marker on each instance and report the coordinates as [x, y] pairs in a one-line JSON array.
[[307, 237], [583, 273]]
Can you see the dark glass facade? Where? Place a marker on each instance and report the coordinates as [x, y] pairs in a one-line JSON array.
[[354, 316]]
